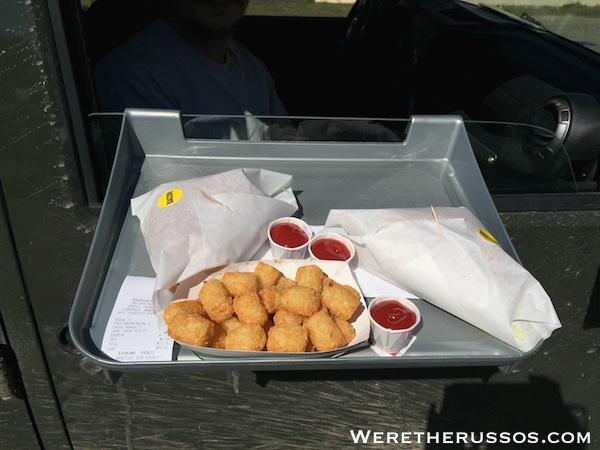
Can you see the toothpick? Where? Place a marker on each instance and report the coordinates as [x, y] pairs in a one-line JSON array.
[[437, 221], [209, 197]]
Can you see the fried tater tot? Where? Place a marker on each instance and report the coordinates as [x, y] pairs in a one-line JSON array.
[[285, 282], [248, 336], [191, 329], [238, 282], [287, 338], [189, 306], [231, 323], [269, 297], [341, 301], [267, 275], [216, 300], [218, 336], [218, 343], [323, 331], [284, 317], [311, 276], [249, 309], [300, 300], [221, 329], [346, 328]]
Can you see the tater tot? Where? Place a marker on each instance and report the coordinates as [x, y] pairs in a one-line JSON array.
[[285, 282], [346, 328], [311, 276], [216, 300], [267, 275], [189, 306], [284, 317], [248, 336], [218, 335], [323, 331], [249, 309], [219, 343], [341, 301], [300, 300], [287, 338], [191, 329], [238, 282], [231, 323], [221, 329], [269, 297]]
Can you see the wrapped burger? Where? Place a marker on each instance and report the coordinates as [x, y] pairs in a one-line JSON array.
[[454, 264], [193, 227]]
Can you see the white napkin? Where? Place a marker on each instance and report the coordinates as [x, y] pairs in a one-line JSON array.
[[188, 235], [458, 271]]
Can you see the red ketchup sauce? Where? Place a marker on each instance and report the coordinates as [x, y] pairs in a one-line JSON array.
[[393, 315], [330, 249], [288, 235]]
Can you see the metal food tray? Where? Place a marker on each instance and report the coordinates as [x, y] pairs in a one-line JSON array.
[[434, 165]]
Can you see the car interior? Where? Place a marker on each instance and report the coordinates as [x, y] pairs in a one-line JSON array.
[[529, 98]]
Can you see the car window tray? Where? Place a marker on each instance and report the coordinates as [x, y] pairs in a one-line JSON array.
[[434, 165]]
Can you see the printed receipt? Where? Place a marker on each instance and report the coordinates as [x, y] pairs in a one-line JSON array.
[[132, 330]]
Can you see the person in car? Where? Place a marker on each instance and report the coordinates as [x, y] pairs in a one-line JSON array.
[[187, 60]]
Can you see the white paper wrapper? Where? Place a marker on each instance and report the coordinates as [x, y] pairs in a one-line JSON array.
[[460, 272], [188, 235]]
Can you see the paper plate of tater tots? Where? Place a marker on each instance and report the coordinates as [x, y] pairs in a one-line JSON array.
[[272, 308]]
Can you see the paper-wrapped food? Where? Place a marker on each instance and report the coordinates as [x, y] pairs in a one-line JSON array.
[[192, 227], [454, 267]]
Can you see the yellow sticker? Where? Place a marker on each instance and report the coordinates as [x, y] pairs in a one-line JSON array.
[[169, 198], [487, 236]]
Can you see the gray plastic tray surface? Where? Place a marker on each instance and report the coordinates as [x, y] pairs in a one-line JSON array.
[[433, 166]]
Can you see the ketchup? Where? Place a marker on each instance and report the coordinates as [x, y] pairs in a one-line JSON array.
[[288, 235], [330, 249], [393, 315]]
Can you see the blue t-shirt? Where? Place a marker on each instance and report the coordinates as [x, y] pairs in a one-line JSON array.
[[156, 68]]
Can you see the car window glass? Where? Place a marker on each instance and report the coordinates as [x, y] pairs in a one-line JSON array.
[[303, 8], [507, 99], [576, 21], [513, 158]]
